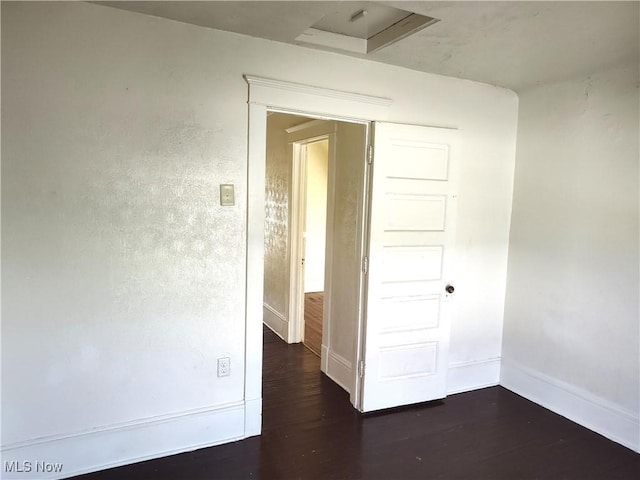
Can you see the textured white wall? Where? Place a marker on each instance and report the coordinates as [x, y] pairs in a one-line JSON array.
[[572, 298], [350, 148], [123, 278], [277, 191]]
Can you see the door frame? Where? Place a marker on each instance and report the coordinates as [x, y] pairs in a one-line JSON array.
[[297, 214], [275, 95]]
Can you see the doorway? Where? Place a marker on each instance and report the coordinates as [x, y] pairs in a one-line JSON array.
[[313, 238], [314, 159], [265, 97], [403, 362]]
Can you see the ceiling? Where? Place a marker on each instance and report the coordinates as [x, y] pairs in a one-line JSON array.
[[514, 44]]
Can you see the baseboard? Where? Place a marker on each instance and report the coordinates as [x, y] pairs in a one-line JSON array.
[[95, 450], [464, 377], [574, 403], [276, 321], [338, 368], [253, 417]]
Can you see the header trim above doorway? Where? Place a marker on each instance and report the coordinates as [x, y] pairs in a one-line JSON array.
[[257, 94]]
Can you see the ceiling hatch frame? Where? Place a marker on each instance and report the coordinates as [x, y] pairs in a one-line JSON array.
[[321, 35]]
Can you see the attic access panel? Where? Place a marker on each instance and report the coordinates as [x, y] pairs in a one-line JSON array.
[[363, 27]]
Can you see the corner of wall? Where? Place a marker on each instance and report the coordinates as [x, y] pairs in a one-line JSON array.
[[576, 404]]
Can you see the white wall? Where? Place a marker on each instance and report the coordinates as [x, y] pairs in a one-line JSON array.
[[339, 335], [316, 216], [123, 278], [571, 339]]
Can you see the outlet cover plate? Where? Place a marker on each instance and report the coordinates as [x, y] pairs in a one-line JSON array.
[[224, 367]]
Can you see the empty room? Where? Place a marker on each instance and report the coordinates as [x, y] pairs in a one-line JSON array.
[[262, 239]]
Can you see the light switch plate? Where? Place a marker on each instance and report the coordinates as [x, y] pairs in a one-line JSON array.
[[227, 196]]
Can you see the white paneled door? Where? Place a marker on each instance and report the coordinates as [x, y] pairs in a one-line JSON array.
[[409, 284]]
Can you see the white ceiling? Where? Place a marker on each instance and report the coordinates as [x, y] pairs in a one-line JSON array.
[[512, 44]]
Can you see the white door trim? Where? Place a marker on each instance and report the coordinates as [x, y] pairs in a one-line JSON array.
[[269, 91], [290, 97], [256, 162], [296, 223]]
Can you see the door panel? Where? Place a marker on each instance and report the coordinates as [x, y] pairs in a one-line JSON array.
[[420, 160], [410, 248], [415, 212]]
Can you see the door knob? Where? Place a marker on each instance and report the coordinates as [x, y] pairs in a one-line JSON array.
[[450, 289]]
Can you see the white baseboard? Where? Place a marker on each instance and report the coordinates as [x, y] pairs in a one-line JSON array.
[[576, 404], [253, 417], [464, 377], [338, 368], [276, 321], [95, 450]]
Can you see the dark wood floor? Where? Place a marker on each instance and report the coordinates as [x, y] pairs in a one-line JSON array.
[[310, 431], [313, 306]]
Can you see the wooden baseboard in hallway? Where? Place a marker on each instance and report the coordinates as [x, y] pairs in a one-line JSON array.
[[313, 305]]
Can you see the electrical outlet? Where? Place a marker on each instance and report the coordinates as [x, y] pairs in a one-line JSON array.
[[224, 367]]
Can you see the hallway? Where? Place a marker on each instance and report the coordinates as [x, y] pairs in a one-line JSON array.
[[313, 305]]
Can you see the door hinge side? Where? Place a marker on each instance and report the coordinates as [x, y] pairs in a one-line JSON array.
[[370, 154], [361, 368], [365, 265]]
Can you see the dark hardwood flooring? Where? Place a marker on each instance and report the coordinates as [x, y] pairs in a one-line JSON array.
[[313, 306], [310, 431]]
